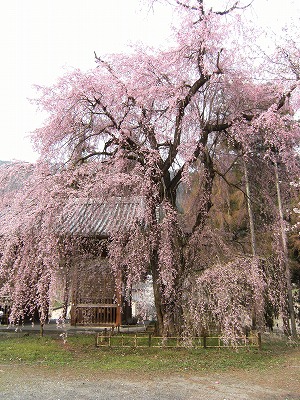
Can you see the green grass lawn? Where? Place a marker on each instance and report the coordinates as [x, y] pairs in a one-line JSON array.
[[80, 352]]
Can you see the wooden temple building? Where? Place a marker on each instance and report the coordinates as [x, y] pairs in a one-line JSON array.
[[96, 297]]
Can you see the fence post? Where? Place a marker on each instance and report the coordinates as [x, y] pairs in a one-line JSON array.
[[204, 341], [149, 340], [259, 340]]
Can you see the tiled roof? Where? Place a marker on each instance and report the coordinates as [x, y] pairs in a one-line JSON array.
[[91, 217], [84, 216]]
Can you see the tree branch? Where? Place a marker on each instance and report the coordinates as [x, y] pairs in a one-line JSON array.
[[190, 7], [182, 104], [234, 7], [284, 97]]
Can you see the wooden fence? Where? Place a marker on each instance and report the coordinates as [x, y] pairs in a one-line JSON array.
[[144, 341]]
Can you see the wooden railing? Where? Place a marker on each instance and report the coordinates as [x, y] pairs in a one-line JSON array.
[[94, 314]]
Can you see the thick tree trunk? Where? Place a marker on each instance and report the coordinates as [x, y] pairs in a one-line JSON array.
[[157, 294], [285, 254], [169, 312], [169, 307]]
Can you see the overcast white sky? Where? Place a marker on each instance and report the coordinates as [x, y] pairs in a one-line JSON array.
[[39, 38]]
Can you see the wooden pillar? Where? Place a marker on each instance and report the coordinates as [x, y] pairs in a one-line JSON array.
[[119, 299], [74, 296]]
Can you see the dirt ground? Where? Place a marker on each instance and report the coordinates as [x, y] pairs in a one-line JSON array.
[[21, 382]]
